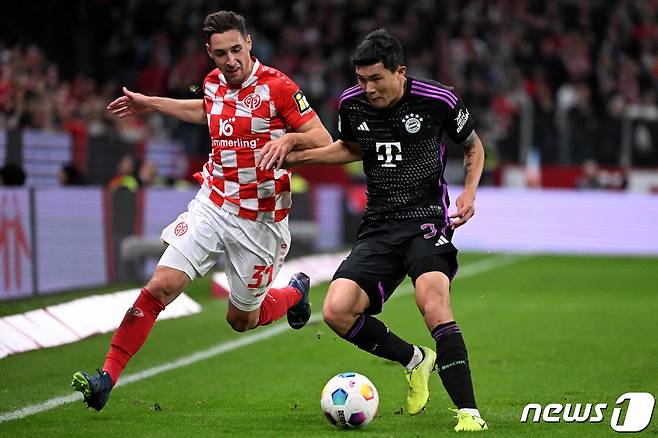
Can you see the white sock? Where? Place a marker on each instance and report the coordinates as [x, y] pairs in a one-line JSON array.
[[415, 359], [474, 412]]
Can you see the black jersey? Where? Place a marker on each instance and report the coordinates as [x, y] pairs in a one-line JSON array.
[[403, 149]]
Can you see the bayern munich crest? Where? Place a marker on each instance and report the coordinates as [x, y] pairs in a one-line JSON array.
[[412, 123], [252, 101]]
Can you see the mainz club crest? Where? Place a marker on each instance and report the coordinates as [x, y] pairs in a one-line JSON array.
[[252, 101], [180, 229]]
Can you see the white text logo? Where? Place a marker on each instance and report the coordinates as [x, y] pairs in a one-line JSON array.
[[638, 413], [225, 127], [637, 418], [461, 119], [234, 143]]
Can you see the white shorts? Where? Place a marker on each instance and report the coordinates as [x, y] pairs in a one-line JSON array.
[[254, 250]]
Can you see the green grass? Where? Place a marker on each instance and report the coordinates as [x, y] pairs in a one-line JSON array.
[[546, 329]]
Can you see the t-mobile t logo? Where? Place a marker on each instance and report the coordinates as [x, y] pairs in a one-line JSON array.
[[389, 152]]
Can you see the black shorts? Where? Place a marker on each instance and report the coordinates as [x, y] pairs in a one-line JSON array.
[[385, 253]]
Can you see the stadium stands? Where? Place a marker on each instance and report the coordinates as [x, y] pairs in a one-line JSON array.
[[568, 79]]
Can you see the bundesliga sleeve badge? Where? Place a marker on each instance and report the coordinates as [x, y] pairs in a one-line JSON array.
[[302, 104]]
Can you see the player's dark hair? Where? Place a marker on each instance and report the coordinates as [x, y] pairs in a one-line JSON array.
[[223, 21], [377, 46]]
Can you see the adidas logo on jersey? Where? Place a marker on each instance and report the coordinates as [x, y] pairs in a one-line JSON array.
[[442, 241], [363, 127]]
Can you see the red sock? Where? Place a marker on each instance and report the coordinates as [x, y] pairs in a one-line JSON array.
[[132, 333], [276, 304]]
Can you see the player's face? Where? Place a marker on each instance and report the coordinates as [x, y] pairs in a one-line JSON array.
[[231, 53], [384, 88]]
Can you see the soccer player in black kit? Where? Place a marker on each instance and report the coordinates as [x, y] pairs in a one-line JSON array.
[[395, 124]]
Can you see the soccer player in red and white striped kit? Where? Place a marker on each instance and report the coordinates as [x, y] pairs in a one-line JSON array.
[[240, 209]]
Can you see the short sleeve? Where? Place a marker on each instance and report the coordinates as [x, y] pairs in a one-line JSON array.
[[345, 131], [290, 103], [458, 122]]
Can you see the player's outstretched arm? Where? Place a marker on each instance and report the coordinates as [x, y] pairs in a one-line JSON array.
[[311, 134], [187, 110], [338, 152], [473, 166]]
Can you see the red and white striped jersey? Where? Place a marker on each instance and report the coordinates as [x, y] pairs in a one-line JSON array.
[[241, 119]]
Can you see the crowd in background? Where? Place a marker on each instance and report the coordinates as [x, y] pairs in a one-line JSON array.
[[571, 67]]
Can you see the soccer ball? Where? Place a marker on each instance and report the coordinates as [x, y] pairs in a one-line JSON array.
[[349, 400]]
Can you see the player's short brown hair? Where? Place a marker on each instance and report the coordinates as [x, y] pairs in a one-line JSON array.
[[223, 21]]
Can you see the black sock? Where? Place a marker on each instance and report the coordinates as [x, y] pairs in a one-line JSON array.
[[371, 335], [452, 364]]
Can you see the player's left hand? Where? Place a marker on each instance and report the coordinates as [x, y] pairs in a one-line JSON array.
[[465, 209], [273, 154]]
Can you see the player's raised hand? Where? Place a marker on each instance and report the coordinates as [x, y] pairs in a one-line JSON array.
[[273, 154], [128, 104], [465, 209]]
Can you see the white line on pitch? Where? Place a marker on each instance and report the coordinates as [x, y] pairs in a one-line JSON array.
[[469, 270]]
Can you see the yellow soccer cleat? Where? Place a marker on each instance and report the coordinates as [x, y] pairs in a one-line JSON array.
[[469, 423], [418, 379]]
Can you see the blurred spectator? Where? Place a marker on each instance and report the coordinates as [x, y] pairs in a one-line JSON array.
[[190, 68], [590, 179], [572, 67], [147, 175], [69, 175], [154, 78], [12, 175], [125, 175]]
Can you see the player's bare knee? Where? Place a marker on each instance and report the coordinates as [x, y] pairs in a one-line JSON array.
[[434, 301], [437, 298], [433, 292], [159, 290], [241, 322], [330, 313], [340, 321], [166, 284], [436, 282], [436, 309], [238, 324]]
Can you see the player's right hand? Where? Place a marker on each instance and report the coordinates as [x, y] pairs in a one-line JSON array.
[[273, 153], [465, 209], [128, 104]]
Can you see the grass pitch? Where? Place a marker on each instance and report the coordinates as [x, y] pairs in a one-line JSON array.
[[544, 329]]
